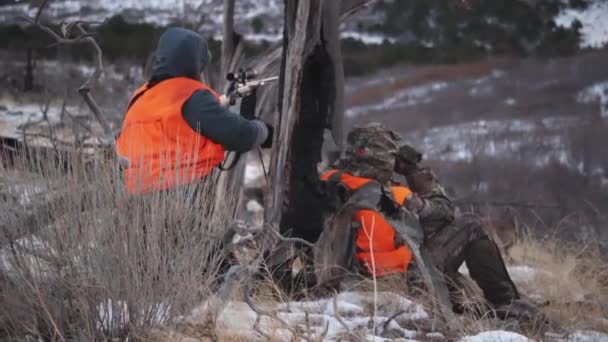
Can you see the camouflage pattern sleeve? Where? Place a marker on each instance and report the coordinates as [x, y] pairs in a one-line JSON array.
[[437, 210]]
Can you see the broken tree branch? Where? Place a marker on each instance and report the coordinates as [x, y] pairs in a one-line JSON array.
[[89, 84], [85, 89]]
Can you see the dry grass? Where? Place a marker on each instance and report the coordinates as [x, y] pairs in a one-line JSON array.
[[561, 276], [82, 259], [572, 283]]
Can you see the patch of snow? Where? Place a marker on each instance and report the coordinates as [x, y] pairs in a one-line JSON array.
[[481, 86], [496, 336], [587, 336], [264, 37], [28, 262], [595, 93], [367, 38], [253, 172], [519, 273], [404, 98], [503, 137], [114, 314], [254, 206], [522, 273], [463, 269], [594, 28], [319, 315]]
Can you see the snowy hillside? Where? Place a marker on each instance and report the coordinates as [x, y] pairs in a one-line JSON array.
[[594, 20], [493, 109], [261, 20], [160, 12]]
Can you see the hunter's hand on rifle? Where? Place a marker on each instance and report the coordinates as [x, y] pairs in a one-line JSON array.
[[241, 85]]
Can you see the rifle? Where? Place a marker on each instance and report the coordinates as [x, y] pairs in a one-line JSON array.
[[243, 85]]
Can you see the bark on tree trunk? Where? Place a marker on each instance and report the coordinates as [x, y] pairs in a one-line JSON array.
[[310, 100]]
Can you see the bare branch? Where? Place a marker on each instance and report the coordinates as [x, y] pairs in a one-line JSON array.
[[40, 9], [349, 8], [290, 239], [337, 313], [90, 83], [390, 319]]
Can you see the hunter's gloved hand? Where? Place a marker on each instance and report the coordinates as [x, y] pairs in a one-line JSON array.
[[414, 203], [268, 142], [244, 91], [407, 160], [421, 180]]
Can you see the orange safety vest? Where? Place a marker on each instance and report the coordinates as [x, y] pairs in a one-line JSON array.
[[162, 149], [377, 250]]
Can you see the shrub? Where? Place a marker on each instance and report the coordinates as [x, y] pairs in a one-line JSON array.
[[82, 259]]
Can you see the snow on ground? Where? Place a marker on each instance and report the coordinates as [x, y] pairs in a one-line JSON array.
[[364, 37], [254, 172], [367, 38], [587, 336], [523, 273], [13, 116], [37, 266], [596, 93], [114, 314], [482, 86], [404, 98], [495, 138], [520, 274], [496, 336], [594, 23], [159, 12], [355, 308]]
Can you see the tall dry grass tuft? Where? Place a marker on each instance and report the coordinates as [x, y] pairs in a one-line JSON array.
[[570, 281], [82, 259]]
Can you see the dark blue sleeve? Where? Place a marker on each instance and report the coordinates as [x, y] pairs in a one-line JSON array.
[[205, 115]]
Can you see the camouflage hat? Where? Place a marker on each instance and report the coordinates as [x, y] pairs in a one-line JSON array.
[[371, 151], [409, 154]]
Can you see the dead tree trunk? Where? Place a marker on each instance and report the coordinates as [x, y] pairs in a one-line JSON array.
[[310, 101]]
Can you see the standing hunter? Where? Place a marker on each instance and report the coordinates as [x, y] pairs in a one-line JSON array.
[[176, 129], [453, 240]]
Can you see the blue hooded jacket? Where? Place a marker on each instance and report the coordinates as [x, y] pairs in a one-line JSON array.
[[184, 53]]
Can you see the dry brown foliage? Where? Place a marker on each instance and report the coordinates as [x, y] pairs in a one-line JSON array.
[[82, 259]]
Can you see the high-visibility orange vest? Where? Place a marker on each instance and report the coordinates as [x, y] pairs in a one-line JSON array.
[[162, 149], [377, 249]]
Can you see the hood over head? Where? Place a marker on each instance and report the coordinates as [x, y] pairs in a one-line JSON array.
[[180, 53]]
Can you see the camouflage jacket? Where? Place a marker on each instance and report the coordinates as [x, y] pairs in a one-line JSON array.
[[437, 210]]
